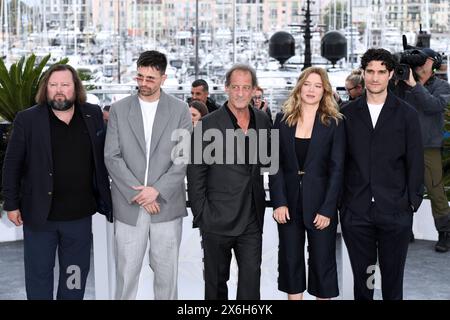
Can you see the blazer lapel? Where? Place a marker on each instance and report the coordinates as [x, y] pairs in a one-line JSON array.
[[162, 117], [44, 123], [364, 114], [316, 137], [255, 155], [137, 123], [89, 121], [291, 139], [225, 123], [386, 113]]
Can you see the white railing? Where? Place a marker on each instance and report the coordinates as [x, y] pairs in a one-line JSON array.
[[110, 93]]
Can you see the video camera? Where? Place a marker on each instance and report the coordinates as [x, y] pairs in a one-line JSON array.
[[410, 58]]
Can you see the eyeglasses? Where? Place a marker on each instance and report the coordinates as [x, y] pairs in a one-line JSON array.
[[258, 97], [350, 89], [145, 79]]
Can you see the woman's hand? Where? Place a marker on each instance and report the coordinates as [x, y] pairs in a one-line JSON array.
[[281, 214]]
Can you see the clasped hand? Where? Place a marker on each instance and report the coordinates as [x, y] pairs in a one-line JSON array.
[[146, 198]]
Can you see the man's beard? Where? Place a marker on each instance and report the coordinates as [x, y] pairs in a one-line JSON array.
[[61, 105], [146, 91]]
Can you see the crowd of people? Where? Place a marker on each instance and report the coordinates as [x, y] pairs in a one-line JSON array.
[[362, 163]]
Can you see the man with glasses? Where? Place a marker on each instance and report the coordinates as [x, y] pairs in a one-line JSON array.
[[148, 190], [354, 84], [260, 102]]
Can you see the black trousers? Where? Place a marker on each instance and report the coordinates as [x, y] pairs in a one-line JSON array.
[[322, 270], [72, 240], [373, 235], [217, 258]]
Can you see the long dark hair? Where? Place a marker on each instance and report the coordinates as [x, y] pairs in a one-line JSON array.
[[80, 91]]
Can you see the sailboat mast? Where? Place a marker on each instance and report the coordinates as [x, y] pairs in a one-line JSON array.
[[6, 26], [427, 16], [44, 15], [75, 27], [18, 20]]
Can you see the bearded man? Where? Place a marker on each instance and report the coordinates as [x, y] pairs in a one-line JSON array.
[[54, 180]]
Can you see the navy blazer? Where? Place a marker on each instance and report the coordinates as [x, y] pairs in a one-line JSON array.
[[28, 165], [323, 171], [385, 162]]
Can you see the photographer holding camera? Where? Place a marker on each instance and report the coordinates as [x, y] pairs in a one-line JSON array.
[[417, 84]]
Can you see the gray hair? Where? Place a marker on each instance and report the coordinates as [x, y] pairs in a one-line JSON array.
[[241, 67]]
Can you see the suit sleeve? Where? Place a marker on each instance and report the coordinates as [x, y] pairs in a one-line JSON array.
[[169, 182], [431, 103], [13, 165], [335, 172], [277, 185], [197, 172], [117, 168], [415, 166]]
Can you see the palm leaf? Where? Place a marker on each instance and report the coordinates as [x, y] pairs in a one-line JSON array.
[[19, 84]]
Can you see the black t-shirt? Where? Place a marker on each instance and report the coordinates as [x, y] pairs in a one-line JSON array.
[[301, 150], [73, 169]]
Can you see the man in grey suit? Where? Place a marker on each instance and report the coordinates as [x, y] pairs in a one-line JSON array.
[[147, 168]]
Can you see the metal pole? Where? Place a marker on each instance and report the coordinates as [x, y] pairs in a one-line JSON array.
[[196, 39], [75, 22], [351, 33], [307, 36], [2, 9], [234, 31], [334, 15], [6, 17]]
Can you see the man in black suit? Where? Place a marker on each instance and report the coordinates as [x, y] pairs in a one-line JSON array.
[[383, 177], [54, 180], [225, 187]]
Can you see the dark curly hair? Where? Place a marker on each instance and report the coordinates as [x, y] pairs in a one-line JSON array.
[[382, 55]]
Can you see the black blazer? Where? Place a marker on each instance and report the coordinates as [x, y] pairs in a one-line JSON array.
[[221, 194], [27, 169], [385, 162], [324, 169]]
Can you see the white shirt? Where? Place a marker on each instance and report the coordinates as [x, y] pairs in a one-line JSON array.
[[148, 110], [375, 110]]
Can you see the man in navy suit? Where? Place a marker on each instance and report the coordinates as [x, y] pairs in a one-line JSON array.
[[383, 180], [54, 180]]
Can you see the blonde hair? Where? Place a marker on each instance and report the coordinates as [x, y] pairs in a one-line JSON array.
[[328, 108], [356, 78]]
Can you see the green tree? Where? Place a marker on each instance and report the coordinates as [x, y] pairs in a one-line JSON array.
[[19, 85]]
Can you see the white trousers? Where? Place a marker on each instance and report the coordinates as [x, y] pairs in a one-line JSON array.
[[164, 245]]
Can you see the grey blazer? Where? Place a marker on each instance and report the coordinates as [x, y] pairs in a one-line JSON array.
[[126, 161]]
